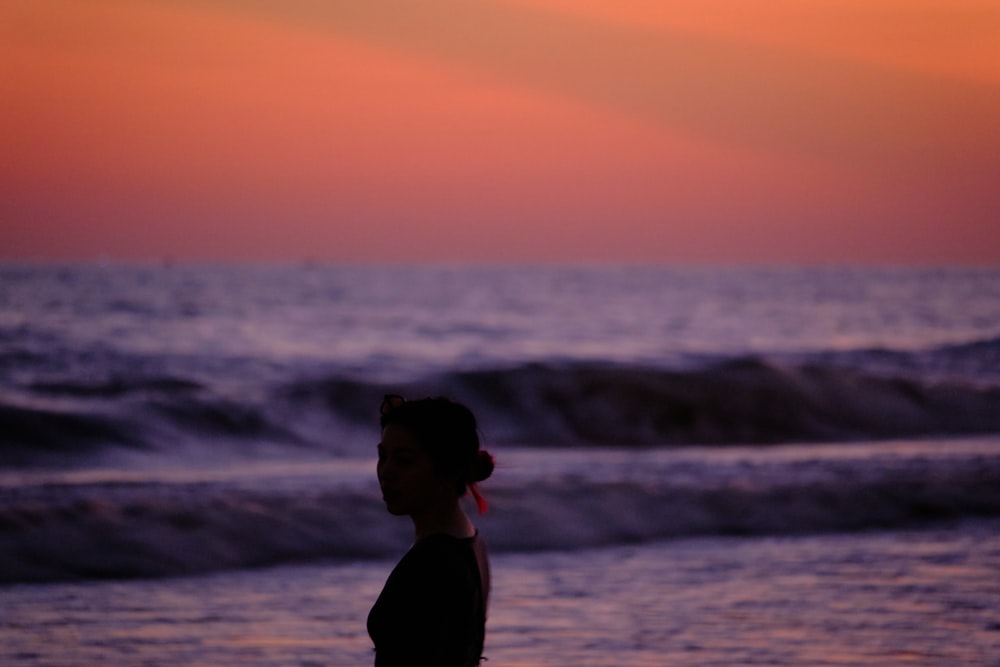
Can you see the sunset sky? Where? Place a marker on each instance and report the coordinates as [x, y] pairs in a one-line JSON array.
[[569, 131]]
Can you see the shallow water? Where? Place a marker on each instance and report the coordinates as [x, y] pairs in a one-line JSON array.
[[928, 597]]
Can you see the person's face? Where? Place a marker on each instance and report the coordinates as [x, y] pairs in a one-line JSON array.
[[406, 474]]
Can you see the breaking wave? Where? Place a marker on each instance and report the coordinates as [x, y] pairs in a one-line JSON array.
[[748, 400], [110, 528]]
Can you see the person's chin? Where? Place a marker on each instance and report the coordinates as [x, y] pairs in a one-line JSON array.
[[393, 506]]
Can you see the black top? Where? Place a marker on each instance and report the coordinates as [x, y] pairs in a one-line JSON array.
[[432, 610]]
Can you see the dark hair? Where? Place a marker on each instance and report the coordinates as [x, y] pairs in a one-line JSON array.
[[447, 431]]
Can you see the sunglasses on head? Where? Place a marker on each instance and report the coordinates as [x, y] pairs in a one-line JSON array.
[[390, 402]]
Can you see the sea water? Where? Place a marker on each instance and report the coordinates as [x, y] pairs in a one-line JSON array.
[[695, 466], [898, 597]]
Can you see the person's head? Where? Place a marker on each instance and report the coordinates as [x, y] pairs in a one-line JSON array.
[[429, 453]]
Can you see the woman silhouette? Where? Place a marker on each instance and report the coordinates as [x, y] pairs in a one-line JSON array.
[[432, 610]]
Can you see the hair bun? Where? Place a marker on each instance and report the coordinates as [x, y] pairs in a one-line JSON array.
[[482, 466]]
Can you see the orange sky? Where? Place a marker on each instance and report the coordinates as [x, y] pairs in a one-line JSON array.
[[663, 131]]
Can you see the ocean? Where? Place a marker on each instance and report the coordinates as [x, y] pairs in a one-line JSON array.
[[709, 466]]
